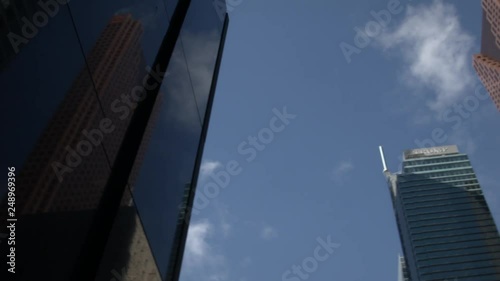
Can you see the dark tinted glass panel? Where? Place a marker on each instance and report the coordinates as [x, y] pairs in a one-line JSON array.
[[169, 159], [442, 247], [441, 203], [36, 80], [73, 79], [459, 259], [449, 219], [170, 5], [450, 226], [143, 30], [456, 239], [127, 255], [451, 253], [433, 192], [477, 266], [60, 166], [427, 216], [445, 208], [201, 37], [453, 232], [120, 41], [404, 185], [160, 186], [482, 277]]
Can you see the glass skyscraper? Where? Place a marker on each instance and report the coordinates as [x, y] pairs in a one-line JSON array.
[[445, 225], [108, 109]]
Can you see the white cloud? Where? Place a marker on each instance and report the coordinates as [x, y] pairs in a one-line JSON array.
[[437, 52], [268, 233], [341, 170], [197, 248], [200, 50], [208, 167], [204, 258], [201, 258], [224, 217]]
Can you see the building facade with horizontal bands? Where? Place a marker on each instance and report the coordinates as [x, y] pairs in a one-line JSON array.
[[445, 226]]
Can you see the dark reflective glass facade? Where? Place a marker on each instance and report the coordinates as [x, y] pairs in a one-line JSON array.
[[106, 109], [445, 225]]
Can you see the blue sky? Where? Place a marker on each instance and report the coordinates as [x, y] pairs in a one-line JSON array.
[[319, 175]]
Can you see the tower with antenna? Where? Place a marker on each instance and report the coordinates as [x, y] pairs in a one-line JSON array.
[[391, 178], [445, 226], [381, 149]]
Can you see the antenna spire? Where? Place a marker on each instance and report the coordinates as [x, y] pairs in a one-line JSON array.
[[383, 158]]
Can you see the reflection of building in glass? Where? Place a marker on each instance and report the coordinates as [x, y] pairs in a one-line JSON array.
[[117, 66], [128, 254], [62, 180], [444, 222], [70, 160], [487, 63], [101, 176]]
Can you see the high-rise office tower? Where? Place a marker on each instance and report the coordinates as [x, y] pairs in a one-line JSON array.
[[109, 107], [487, 63], [445, 226]]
